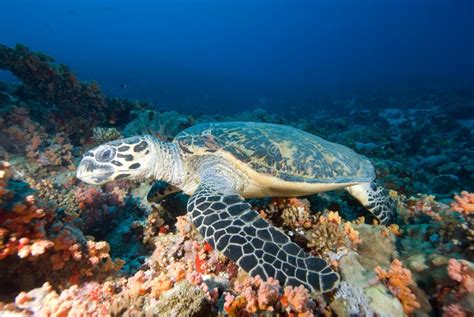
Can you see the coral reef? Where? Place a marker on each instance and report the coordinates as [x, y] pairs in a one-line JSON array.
[[162, 125], [78, 106], [71, 249], [32, 236], [464, 203], [253, 295], [398, 280], [103, 135]]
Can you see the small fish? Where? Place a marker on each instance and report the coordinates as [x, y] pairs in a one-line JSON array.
[[123, 85]]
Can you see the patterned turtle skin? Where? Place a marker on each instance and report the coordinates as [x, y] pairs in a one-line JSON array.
[[279, 151]]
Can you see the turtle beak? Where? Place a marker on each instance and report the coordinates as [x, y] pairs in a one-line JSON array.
[[94, 173]]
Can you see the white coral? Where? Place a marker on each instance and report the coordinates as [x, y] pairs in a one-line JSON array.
[[355, 299]]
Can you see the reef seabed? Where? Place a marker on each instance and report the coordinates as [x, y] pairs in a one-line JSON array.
[[67, 248]]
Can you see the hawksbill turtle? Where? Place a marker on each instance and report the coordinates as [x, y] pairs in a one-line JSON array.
[[219, 164]]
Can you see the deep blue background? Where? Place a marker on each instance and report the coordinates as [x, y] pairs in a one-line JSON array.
[[233, 55]]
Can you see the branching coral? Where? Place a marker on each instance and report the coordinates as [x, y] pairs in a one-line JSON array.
[[294, 212], [103, 135], [398, 280], [330, 234]]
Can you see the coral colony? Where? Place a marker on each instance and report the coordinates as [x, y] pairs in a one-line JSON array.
[[68, 248]]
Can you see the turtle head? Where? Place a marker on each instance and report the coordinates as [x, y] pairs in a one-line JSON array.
[[131, 158]]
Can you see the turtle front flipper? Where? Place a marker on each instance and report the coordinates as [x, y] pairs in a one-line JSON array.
[[160, 190], [377, 200], [233, 228]]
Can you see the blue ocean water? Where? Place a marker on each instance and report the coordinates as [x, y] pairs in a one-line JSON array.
[[227, 56]]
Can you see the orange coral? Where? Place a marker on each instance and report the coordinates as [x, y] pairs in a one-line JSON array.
[[398, 279], [352, 234], [21, 228], [464, 203]]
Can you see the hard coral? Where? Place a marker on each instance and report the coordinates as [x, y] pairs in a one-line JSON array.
[[331, 235], [103, 135], [294, 212], [398, 280]]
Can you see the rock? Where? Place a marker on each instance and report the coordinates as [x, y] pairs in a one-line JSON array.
[[375, 249], [416, 263], [433, 161], [444, 183], [381, 302], [183, 300]]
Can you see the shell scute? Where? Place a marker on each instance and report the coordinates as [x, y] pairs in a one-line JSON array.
[[281, 151]]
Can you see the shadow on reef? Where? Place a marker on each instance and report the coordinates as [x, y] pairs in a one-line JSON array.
[[71, 248]]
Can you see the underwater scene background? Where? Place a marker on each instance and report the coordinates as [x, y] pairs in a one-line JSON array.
[[392, 80]]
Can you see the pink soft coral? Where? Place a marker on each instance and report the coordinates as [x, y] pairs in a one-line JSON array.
[[464, 203], [298, 300], [259, 295], [462, 271], [255, 295], [454, 310]]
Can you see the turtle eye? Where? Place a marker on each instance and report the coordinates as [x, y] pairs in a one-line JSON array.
[[105, 155]]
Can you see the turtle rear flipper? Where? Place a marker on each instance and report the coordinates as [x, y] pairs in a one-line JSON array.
[[377, 200], [233, 228]]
